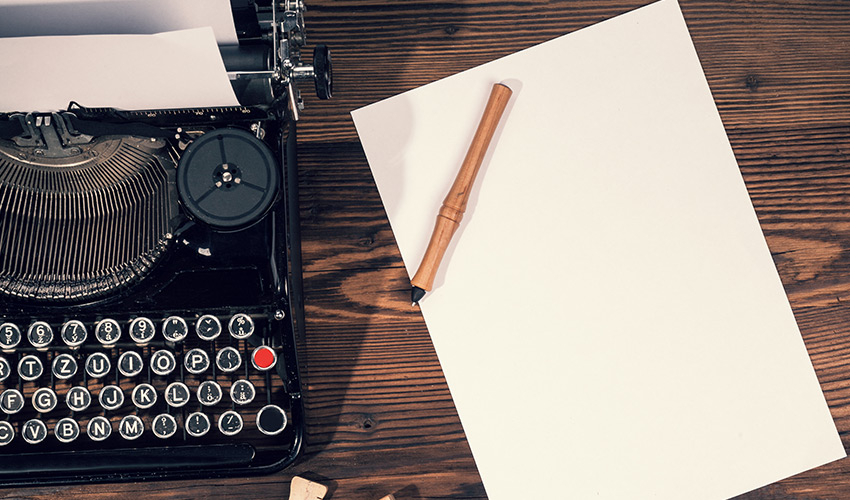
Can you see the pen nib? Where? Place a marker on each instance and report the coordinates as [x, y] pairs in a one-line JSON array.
[[416, 294]]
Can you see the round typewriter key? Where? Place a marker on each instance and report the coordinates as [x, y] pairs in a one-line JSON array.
[[143, 396], [164, 426], [107, 331], [163, 362], [241, 326], [34, 431], [196, 361], [271, 420], [242, 392], [78, 398], [99, 428], [142, 330], [30, 367], [7, 433], [228, 359], [73, 333], [209, 393], [177, 394], [97, 365], [174, 329], [44, 400], [130, 364], [263, 358], [208, 327], [5, 369], [197, 424], [131, 427], [64, 366], [66, 430], [11, 401], [111, 397], [40, 334], [230, 423], [10, 335]]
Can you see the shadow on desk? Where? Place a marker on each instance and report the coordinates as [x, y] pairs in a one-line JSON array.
[[377, 404]]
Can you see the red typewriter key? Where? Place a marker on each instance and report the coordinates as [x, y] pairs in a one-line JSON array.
[[263, 358]]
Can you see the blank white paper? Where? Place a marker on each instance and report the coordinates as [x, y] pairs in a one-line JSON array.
[[177, 69], [609, 318], [115, 17]]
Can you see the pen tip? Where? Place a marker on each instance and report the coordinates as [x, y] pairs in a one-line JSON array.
[[416, 294]]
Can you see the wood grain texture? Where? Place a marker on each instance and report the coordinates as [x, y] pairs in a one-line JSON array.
[[381, 418]]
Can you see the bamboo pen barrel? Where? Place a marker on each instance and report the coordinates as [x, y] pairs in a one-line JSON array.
[[454, 205]]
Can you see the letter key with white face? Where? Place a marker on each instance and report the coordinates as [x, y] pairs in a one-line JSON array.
[[30, 367], [10, 336], [66, 430], [98, 365], [64, 366], [163, 362]]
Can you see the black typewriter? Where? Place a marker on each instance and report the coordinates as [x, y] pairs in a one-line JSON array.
[[150, 295]]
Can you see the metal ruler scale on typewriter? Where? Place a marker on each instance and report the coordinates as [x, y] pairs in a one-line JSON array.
[[150, 278]]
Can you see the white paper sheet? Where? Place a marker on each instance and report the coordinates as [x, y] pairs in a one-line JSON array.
[[609, 318], [176, 69], [115, 17]]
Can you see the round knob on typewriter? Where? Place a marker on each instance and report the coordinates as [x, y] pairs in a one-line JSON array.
[[263, 358], [197, 424], [40, 334], [230, 423], [7, 433], [10, 335], [208, 327], [228, 179], [73, 333], [271, 420], [34, 431], [5, 369], [323, 71], [164, 426]]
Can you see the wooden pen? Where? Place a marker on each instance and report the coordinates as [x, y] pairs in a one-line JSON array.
[[454, 206]]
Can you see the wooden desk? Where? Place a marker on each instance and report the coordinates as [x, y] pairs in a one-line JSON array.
[[381, 416]]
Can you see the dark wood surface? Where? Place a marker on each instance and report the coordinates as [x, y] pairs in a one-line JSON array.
[[381, 419]]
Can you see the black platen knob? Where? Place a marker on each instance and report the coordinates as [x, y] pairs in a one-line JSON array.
[[323, 71]]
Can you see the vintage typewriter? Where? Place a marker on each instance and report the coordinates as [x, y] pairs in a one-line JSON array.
[[150, 296]]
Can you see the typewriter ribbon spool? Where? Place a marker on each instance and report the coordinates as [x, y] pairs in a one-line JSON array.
[[227, 178]]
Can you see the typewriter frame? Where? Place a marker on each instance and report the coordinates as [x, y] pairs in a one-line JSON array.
[[274, 105]]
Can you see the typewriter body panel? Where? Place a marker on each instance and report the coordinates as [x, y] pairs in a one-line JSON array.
[[150, 297]]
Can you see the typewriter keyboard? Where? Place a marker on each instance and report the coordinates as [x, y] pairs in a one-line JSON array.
[[140, 381]]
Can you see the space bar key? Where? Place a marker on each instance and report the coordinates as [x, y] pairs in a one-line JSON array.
[[129, 459]]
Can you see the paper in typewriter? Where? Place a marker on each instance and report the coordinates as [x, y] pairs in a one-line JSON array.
[[115, 17], [176, 69], [609, 318]]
